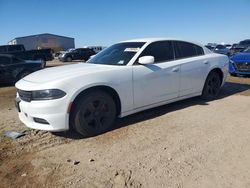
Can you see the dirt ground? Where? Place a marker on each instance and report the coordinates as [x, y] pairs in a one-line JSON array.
[[191, 143]]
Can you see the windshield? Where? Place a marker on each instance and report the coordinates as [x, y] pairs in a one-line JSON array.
[[117, 54], [247, 50]]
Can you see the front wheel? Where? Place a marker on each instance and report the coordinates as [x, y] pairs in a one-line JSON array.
[[93, 113], [212, 86]]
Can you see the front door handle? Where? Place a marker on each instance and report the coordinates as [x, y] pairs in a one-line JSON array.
[[206, 62]]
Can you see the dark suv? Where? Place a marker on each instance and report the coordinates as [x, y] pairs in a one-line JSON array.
[[12, 69], [19, 51], [77, 54], [241, 46]]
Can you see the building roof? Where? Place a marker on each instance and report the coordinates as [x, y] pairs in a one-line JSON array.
[[42, 34]]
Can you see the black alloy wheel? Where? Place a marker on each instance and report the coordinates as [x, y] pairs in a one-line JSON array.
[[212, 86], [94, 113]]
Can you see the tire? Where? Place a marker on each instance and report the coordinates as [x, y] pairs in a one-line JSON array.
[[212, 86], [93, 113], [68, 59]]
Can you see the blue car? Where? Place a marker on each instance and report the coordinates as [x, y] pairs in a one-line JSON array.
[[240, 63]]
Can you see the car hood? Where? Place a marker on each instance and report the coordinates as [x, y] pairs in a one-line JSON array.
[[55, 73], [241, 57]]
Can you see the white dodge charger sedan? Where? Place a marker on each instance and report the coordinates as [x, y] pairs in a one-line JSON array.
[[125, 78]]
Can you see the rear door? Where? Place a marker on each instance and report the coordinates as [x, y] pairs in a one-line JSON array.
[[193, 65], [156, 82]]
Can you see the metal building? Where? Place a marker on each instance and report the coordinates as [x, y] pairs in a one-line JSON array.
[[45, 40]]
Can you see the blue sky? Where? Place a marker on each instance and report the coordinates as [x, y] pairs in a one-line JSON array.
[[102, 22]]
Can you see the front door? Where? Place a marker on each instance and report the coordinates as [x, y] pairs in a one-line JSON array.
[[156, 82]]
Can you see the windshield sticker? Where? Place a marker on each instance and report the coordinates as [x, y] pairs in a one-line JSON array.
[[131, 49]]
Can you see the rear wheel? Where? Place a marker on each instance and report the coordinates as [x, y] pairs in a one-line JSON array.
[[94, 113], [212, 86]]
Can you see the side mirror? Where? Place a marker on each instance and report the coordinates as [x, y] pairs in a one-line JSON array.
[[146, 60]]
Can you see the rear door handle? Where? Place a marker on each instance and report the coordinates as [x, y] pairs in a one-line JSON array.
[[176, 69]]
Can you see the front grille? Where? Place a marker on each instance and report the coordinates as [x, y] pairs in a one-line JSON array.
[[243, 66], [25, 95]]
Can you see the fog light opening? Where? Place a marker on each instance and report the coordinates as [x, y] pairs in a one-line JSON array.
[[40, 120]]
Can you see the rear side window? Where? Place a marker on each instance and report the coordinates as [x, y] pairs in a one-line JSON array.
[[162, 51], [4, 60], [185, 50]]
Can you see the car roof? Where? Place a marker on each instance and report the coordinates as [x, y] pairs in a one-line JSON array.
[[149, 40]]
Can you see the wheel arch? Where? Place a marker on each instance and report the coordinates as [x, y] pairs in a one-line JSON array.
[[219, 71], [108, 89]]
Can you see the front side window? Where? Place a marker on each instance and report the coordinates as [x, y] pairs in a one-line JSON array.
[[117, 54], [185, 50], [161, 51]]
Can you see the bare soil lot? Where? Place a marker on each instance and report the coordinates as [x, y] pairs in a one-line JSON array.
[[191, 143]]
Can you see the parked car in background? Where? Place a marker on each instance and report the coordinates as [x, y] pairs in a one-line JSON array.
[[57, 54], [240, 63], [13, 69], [19, 51], [241, 46], [222, 49], [123, 79], [210, 47], [97, 49], [229, 46], [77, 54]]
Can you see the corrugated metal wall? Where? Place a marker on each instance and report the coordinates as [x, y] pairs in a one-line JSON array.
[[46, 41]]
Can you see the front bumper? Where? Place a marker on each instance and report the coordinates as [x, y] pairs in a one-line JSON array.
[[54, 112], [233, 70]]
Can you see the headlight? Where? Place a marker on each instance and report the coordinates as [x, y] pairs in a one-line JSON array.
[[47, 94], [62, 55]]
